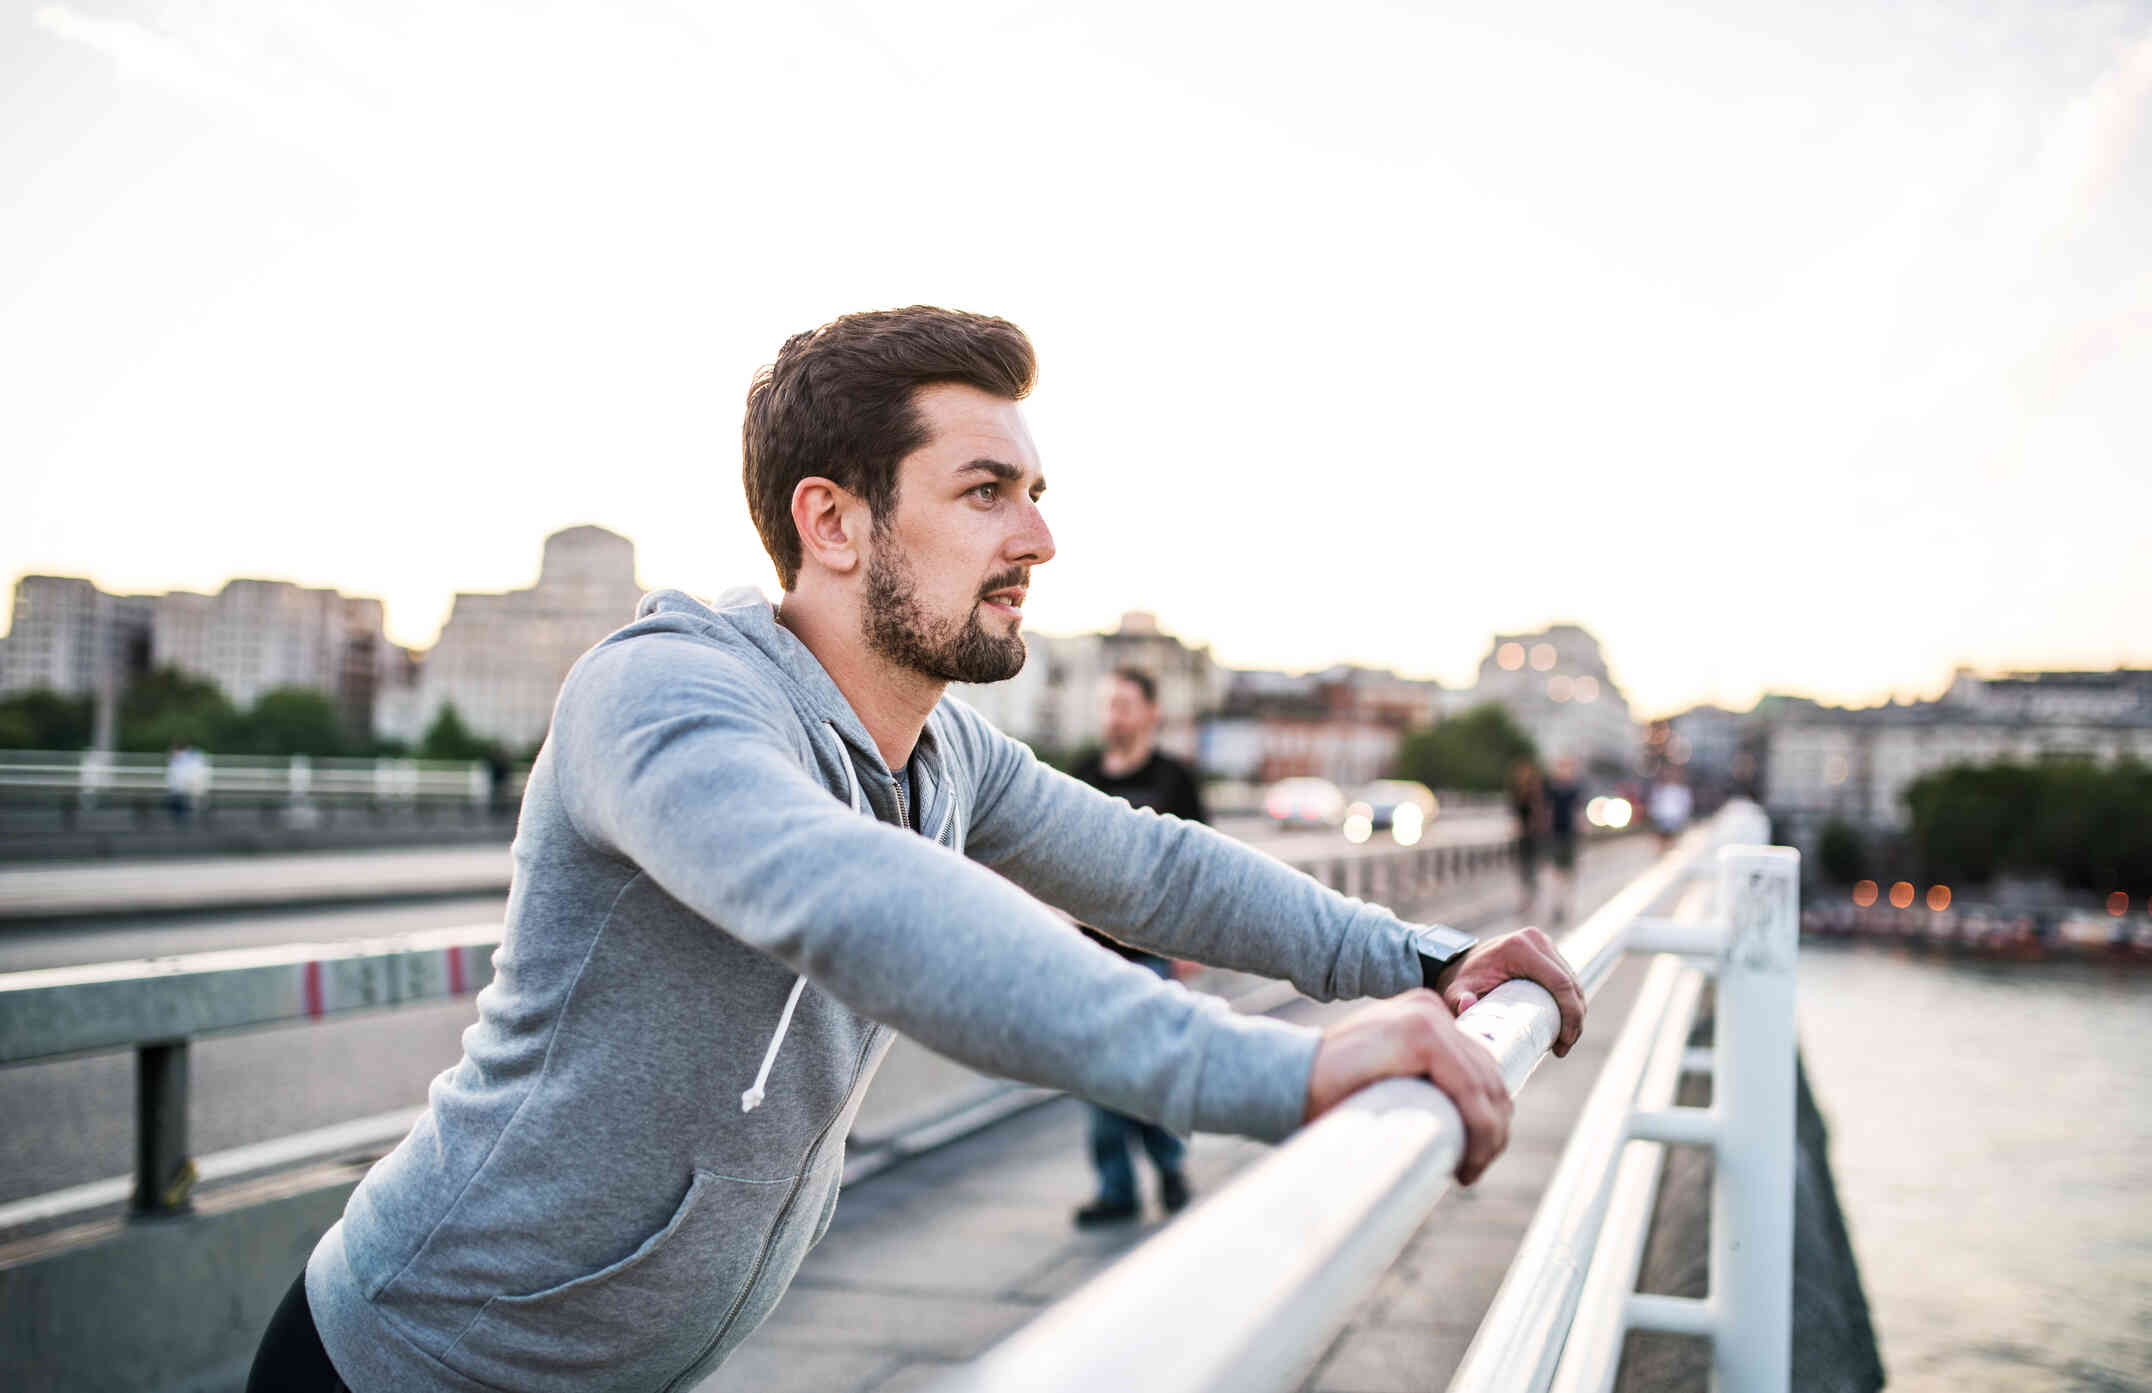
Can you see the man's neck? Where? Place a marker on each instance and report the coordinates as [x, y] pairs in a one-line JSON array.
[[1117, 760], [893, 703]]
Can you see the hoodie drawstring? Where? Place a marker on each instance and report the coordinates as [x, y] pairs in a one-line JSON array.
[[752, 1098]]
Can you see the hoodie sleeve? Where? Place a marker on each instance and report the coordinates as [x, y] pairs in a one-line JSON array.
[[1172, 886], [675, 756]]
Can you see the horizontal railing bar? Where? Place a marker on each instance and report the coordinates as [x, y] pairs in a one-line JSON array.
[[1677, 1126], [1675, 1315], [1701, 1060], [50, 1012], [1695, 938]]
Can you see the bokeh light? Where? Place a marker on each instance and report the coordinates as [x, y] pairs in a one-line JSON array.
[[1865, 893], [1938, 898], [1901, 894]]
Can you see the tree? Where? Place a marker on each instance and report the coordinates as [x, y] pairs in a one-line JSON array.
[[449, 738], [1471, 751], [1840, 853], [2086, 825], [167, 707], [291, 721], [42, 719]]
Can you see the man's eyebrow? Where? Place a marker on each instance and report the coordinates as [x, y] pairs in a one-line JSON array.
[[1000, 469]]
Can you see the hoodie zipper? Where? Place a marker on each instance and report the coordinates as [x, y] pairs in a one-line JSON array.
[[814, 1150], [784, 1212]]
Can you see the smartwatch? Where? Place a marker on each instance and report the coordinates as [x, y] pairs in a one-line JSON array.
[[1439, 945]]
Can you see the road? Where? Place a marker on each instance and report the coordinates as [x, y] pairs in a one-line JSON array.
[[260, 1085]]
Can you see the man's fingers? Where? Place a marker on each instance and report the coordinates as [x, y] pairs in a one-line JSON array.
[[1530, 954], [1469, 1078]]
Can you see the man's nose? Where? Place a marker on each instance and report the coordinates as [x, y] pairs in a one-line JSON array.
[[1033, 544]]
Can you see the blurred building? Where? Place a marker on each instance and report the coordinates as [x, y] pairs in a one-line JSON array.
[[1554, 683], [70, 637], [1825, 762], [254, 636], [1053, 705], [1343, 724], [501, 658], [1716, 750]]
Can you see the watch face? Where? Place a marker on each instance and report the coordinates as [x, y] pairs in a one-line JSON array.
[[1441, 941]]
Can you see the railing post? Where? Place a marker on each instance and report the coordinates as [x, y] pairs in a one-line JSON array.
[[164, 1173], [1753, 1094]]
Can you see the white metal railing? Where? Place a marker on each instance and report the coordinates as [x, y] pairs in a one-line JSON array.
[[95, 774], [1246, 1291]]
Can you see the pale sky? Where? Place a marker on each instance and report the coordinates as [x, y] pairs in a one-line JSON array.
[[1810, 351]]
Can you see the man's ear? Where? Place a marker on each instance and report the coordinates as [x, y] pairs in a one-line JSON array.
[[832, 523]]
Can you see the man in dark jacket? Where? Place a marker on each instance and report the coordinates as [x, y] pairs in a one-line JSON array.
[[1130, 767]]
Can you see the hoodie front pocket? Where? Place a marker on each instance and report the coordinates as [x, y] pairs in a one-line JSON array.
[[635, 1322]]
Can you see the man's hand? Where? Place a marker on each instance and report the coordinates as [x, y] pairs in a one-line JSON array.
[[1415, 1036], [1527, 953]]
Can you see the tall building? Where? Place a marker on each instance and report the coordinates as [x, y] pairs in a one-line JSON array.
[[255, 636], [500, 659], [1555, 684], [69, 637], [1827, 762]]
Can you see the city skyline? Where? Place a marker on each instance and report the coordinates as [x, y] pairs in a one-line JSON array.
[[1486, 653], [1805, 358]]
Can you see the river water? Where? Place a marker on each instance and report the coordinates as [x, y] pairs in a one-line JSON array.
[[1991, 1132]]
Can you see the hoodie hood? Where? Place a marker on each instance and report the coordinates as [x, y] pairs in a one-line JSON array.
[[743, 615]]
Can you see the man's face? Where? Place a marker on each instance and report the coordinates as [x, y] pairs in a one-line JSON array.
[[1126, 718], [947, 573]]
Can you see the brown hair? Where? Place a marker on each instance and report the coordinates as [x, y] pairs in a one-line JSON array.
[[1141, 680], [838, 404]]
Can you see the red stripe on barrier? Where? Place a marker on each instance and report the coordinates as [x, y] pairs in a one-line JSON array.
[[312, 990], [455, 971]]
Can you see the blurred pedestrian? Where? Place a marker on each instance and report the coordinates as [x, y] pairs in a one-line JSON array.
[[186, 780], [1131, 768], [1563, 795], [1670, 805], [759, 841], [1528, 804]]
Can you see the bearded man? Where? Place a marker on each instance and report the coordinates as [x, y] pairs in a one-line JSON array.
[[757, 841]]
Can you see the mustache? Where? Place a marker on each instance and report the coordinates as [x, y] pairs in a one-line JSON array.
[[1019, 575]]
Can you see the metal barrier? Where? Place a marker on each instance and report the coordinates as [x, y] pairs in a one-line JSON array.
[[1246, 1292], [156, 1006], [94, 775]]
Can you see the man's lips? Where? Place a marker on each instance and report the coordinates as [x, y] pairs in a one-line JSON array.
[[1009, 601]]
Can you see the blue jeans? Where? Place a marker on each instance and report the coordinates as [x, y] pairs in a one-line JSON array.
[[1110, 1133]]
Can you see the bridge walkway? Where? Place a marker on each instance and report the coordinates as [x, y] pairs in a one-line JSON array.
[[935, 1260]]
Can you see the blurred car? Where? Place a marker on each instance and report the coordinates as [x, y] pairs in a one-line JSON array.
[[1303, 802], [1400, 807]]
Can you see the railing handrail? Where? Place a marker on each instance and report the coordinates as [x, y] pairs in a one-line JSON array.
[[1246, 1292], [93, 773], [46, 1013]]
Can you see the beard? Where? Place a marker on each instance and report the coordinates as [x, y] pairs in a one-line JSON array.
[[899, 629]]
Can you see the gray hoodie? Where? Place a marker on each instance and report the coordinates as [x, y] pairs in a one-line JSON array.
[[721, 909]]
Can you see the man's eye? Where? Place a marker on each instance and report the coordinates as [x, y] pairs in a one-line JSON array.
[[986, 491]]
